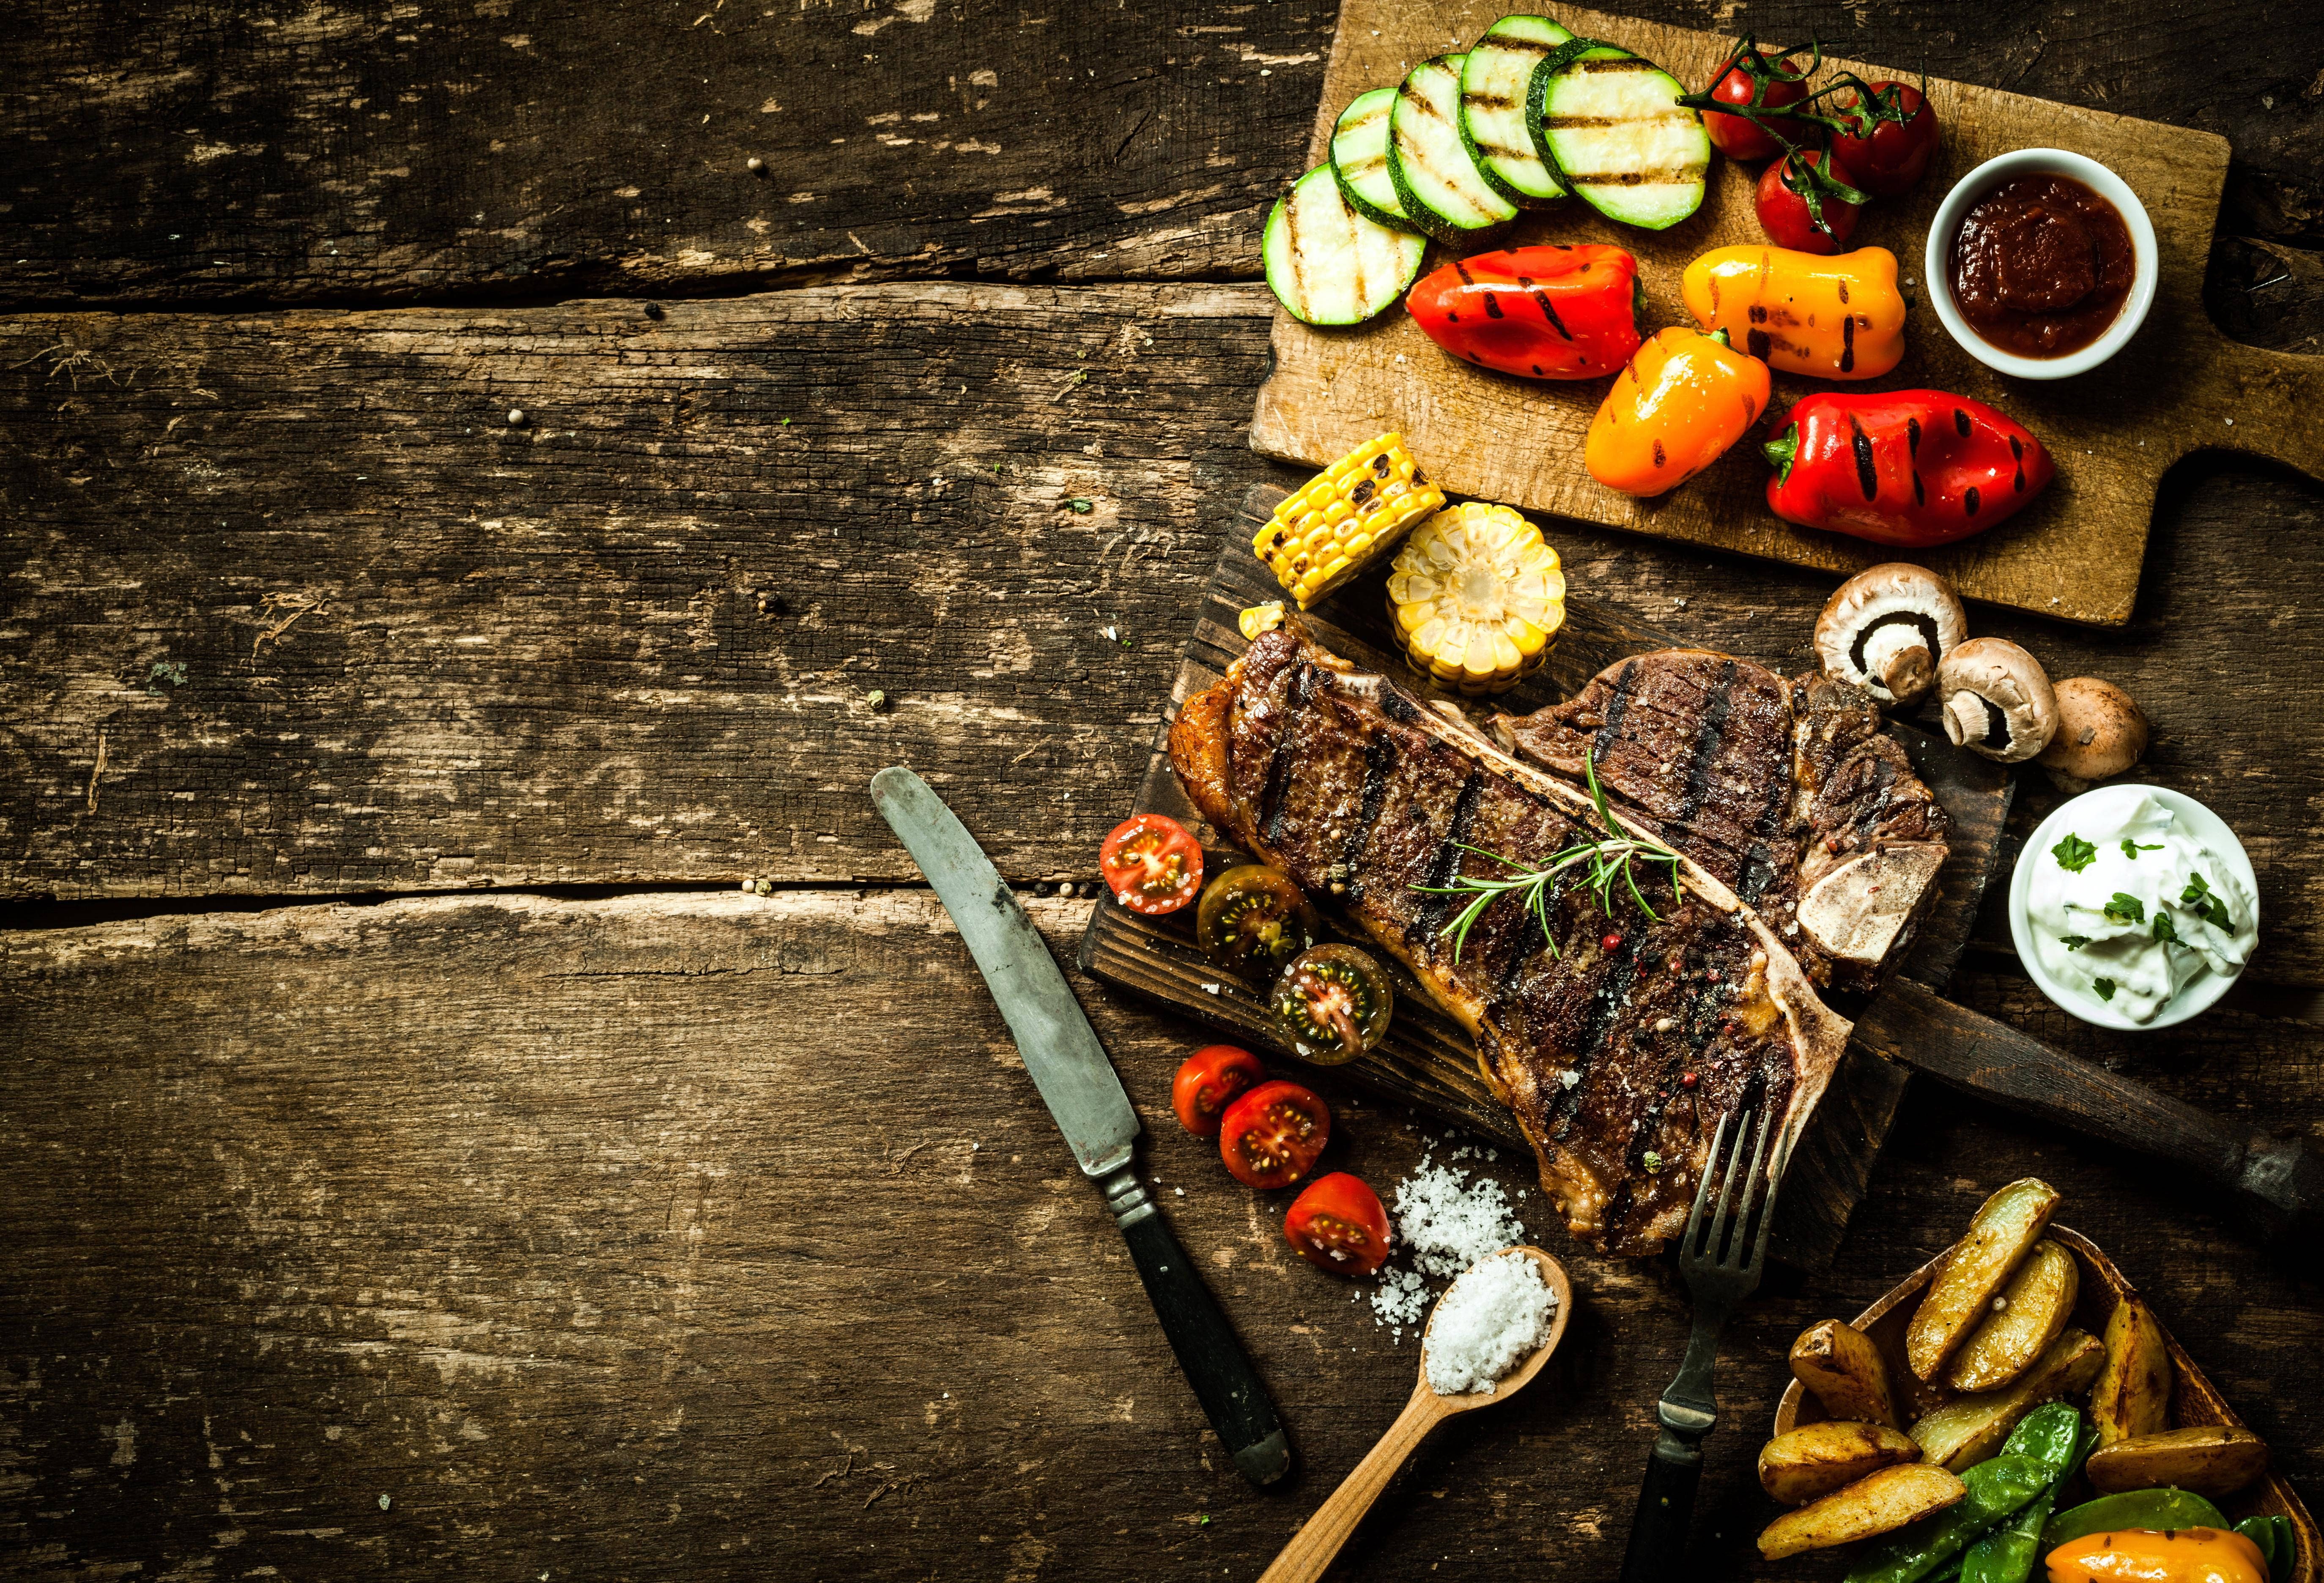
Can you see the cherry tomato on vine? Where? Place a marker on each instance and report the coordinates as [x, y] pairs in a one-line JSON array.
[[1887, 155], [1151, 864], [1208, 1081], [1779, 81], [1253, 918], [1272, 1135], [1337, 1224], [1785, 215]]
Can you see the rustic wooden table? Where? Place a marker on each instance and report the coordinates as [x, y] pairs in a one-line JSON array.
[[420, 1157]]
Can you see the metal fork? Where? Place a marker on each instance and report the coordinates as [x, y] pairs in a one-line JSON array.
[[1722, 1270]]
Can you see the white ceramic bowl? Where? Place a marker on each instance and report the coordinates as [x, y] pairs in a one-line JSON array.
[[2107, 806], [1936, 262]]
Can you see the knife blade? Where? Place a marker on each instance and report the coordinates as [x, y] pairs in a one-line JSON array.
[[1077, 1081]]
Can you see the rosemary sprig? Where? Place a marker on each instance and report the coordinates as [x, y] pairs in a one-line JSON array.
[[1608, 860]]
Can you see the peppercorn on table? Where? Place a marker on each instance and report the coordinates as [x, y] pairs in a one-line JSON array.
[[426, 1159]]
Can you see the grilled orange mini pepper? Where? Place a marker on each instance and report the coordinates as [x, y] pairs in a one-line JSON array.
[[1833, 318], [2186, 1555], [1684, 399]]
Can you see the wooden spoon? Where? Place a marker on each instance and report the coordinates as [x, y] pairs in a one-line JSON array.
[[1319, 1539]]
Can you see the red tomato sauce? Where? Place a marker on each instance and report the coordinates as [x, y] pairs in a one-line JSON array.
[[2042, 266]]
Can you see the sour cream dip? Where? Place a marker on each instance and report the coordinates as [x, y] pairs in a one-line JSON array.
[[2133, 906]]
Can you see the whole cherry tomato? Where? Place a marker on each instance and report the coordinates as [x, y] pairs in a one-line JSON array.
[[1887, 144], [1784, 211], [1779, 81], [1272, 1135], [1208, 1081], [1151, 864], [1337, 1224]]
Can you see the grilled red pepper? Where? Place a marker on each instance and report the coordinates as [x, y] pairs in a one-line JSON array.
[[1552, 312], [1914, 468]]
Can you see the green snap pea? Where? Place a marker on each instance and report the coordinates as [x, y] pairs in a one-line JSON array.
[[2057, 1437], [2163, 1509], [1997, 1488], [2276, 1545]]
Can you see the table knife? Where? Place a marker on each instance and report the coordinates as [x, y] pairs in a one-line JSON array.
[[1077, 1082]]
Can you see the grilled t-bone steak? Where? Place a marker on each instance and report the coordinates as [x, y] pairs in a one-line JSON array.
[[1620, 1047], [1788, 792]]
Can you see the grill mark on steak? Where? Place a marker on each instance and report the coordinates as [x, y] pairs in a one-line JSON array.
[[1379, 757], [1615, 709], [1445, 862], [1706, 743], [1272, 804]]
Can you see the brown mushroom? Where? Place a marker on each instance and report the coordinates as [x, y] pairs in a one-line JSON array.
[[1998, 700], [1887, 628], [2101, 733]]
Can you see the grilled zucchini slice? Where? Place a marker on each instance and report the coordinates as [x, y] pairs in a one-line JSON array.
[[1495, 81], [1329, 265], [1437, 184], [1359, 160], [1611, 125]]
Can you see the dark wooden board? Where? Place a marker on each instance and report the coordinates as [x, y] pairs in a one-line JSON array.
[[1427, 1059], [2076, 553]]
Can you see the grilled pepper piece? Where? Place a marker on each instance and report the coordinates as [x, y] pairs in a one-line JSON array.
[[1833, 318], [2188, 1555], [1345, 518], [1552, 312], [1682, 402], [1914, 468]]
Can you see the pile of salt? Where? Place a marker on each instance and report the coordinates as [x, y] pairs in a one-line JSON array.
[[1494, 1315]]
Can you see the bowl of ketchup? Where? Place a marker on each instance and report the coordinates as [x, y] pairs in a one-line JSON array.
[[2042, 263]]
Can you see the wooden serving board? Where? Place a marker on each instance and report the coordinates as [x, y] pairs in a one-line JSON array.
[[2195, 1401], [1428, 1059], [2181, 386]]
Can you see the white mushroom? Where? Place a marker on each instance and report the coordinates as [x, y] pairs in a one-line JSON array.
[[1998, 700], [2101, 733], [1888, 628]]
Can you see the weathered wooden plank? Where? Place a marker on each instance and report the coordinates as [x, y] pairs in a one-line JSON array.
[[595, 1235], [541, 654], [189, 150]]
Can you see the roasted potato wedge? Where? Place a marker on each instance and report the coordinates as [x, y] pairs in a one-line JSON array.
[[2133, 1395], [1817, 1459], [1970, 1429], [1980, 1264], [2212, 1461], [2025, 1319], [1885, 1502], [1842, 1369]]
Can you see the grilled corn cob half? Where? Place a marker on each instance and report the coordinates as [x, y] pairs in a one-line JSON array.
[[1345, 518], [1477, 598]]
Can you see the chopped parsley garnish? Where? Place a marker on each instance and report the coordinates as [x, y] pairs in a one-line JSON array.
[[2073, 853], [2125, 908], [2131, 849], [2073, 942], [2204, 903], [2105, 987], [2163, 929]]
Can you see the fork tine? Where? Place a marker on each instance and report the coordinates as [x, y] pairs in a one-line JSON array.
[[1686, 1247], [1715, 1248], [1767, 1214], [1751, 1192]]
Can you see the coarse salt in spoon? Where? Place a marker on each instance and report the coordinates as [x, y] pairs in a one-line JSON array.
[[1495, 1341]]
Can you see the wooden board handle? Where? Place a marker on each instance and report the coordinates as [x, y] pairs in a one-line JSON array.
[[2277, 1183], [2275, 400]]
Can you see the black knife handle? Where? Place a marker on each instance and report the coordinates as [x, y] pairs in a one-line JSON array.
[[1665, 1510], [1214, 1362]]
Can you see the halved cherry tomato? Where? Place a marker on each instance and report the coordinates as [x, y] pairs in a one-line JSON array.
[[1337, 1224], [1886, 154], [1335, 1002], [1784, 210], [1207, 1083], [1272, 1135], [1253, 918], [1778, 81], [1151, 864]]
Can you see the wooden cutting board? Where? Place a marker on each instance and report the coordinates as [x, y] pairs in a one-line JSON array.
[[1427, 1059], [2075, 553]]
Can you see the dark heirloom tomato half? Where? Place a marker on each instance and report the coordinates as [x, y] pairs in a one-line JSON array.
[[1337, 1224], [1888, 142], [1254, 919], [1151, 864], [1334, 1001], [1207, 1083], [1272, 1135], [1552, 312]]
